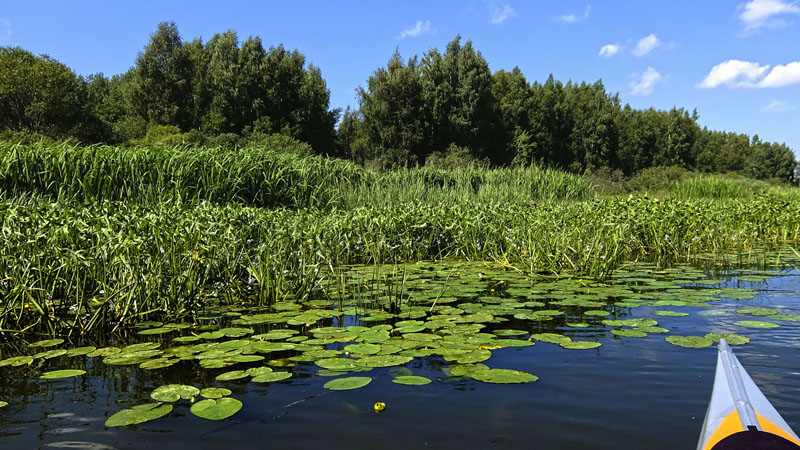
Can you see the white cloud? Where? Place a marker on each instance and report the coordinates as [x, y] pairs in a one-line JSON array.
[[5, 31], [645, 82], [609, 50], [781, 76], [778, 106], [744, 74], [501, 12], [764, 13], [646, 45], [734, 73], [572, 18], [418, 30]]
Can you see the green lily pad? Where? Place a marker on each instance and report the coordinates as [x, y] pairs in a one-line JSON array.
[[160, 330], [508, 343], [138, 414], [756, 324], [216, 409], [786, 317], [652, 330], [629, 333], [757, 311], [363, 349], [232, 375], [215, 392], [158, 363], [46, 343], [580, 345], [503, 376], [577, 325], [67, 373], [552, 338], [730, 338], [382, 361], [548, 312], [689, 341], [211, 335], [2, 404], [670, 313], [103, 352], [189, 338], [17, 361], [344, 384], [341, 364], [597, 312], [272, 376], [174, 392], [258, 371], [80, 351], [411, 380], [50, 354]]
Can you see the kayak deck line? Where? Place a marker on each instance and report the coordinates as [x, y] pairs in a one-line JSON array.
[[739, 415]]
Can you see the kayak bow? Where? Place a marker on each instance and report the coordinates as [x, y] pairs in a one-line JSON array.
[[739, 416]]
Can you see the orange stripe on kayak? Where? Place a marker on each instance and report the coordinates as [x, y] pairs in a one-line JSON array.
[[770, 427], [730, 425]]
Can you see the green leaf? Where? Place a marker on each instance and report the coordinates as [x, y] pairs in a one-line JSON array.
[[271, 377], [757, 311], [232, 375], [411, 380], [503, 376], [597, 312], [670, 313], [216, 409], [689, 341], [174, 392], [3, 404], [80, 351], [756, 324], [552, 338], [344, 384], [215, 392], [55, 374], [629, 333], [580, 345], [46, 343], [138, 414], [363, 349], [730, 338]]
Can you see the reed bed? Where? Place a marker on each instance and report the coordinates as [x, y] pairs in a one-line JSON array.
[[76, 268]]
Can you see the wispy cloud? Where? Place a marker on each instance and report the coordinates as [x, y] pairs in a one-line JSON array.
[[417, 30], [5, 31], [758, 14], [646, 45], [609, 50], [501, 12], [734, 73], [645, 82], [778, 106], [572, 18]]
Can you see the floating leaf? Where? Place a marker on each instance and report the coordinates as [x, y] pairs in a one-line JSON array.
[[216, 409], [756, 324], [757, 311], [342, 364], [232, 375], [158, 363], [689, 341], [17, 361], [730, 338], [46, 343], [138, 414], [411, 380], [211, 335], [105, 351], [577, 324], [670, 313], [503, 376], [215, 392], [161, 330], [508, 332], [580, 345], [629, 333], [272, 376], [786, 317], [652, 330], [80, 351], [2, 404], [363, 349], [552, 338], [56, 374], [382, 361], [597, 312], [344, 384], [50, 354], [548, 312], [174, 392], [189, 338]]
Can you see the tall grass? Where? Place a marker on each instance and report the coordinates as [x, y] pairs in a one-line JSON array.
[[92, 267], [256, 177]]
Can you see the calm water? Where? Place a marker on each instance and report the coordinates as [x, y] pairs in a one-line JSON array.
[[631, 393]]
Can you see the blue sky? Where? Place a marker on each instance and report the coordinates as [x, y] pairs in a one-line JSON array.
[[737, 62]]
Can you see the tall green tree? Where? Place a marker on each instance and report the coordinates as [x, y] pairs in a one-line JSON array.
[[159, 89], [223, 114]]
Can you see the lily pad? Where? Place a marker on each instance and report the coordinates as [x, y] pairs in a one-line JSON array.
[[552, 338], [670, 313], [215, 392], [216, 409], [138, 414], [232, 375], [597, 312], [503, 376], [730, 338], [580, 345], [46, 343], [629, 333], [786, 317], [363, 349], [757, 311], [2, 404], [689, 341], [50, 354], [67, 373], [577, 324], [337, 363], [344, 384], [756, 324], [271, 376], [80, 351], [174, 392], [17, 361], [160, 330], [382, 361], [411, 380]]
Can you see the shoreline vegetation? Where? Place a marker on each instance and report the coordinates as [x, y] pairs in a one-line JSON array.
[[148, 233]]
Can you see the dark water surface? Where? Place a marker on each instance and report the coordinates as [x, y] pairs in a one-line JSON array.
[[631, 393]]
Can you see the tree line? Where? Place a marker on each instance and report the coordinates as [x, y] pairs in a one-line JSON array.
[[440, 109]]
